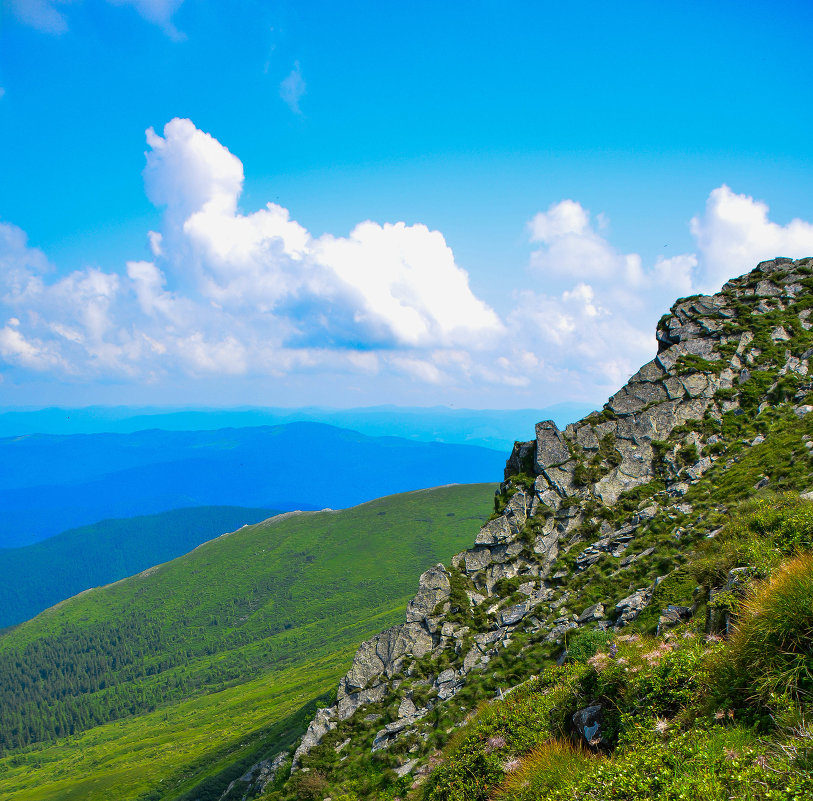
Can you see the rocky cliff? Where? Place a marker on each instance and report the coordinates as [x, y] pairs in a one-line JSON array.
[[610, 497]]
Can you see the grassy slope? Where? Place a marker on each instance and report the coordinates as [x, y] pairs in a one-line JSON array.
[[40, 575], [688, 719], [243, 617]]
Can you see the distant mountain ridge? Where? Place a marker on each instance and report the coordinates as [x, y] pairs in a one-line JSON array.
[[49, 483], [488, 428]]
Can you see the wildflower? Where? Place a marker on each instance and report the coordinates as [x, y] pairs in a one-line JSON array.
[[599, 661], [730, 754], [511, 765], [661, 726], [494, 743], [719, 714]]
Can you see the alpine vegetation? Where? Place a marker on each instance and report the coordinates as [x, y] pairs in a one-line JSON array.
[[634, 621]]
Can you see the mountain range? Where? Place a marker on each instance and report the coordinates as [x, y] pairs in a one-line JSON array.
[[632, 620], [486, 428], [50, 483]]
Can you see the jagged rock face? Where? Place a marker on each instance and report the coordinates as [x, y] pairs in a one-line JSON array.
[[552, 483]]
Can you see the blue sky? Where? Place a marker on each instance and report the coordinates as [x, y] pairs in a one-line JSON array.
[[481, 204]]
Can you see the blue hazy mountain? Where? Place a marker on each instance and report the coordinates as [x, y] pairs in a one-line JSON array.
[[50, 483], [489, 428]]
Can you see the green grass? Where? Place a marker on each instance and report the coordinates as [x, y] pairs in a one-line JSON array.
[[174, 748], [175, 639], [40, 575]]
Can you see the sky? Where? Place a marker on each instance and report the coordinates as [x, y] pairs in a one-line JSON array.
[[472, 204]]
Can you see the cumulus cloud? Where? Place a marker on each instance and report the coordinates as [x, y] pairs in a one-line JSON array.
[[590, 313], [234, 293], [391, 285], [228, 292], [292, 88], [734, 233]]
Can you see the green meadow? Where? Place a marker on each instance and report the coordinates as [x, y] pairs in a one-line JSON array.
[[146, 687]]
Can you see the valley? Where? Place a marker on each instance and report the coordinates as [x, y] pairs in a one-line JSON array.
[[211, 648]]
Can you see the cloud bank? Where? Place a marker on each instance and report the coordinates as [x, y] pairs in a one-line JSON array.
[[233, 294]]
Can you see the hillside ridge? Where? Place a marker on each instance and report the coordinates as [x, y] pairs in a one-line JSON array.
[[579, 500]]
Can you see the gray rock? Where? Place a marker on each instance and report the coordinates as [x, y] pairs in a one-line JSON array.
[[446, 676], [433, 589], [588, 724], [407, 708], [594, 612], [322, 723], [521, 457], [514, 614], [406, 768], [767, 289], [628, 560], [446, 691], [631, 606], [472, 658], [550, 445], [673, 616]]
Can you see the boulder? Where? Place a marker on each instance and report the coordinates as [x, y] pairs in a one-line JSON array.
[[433, 589], [551, 448], [587, 724]]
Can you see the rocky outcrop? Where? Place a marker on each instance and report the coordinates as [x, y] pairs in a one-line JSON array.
[[558, 506]]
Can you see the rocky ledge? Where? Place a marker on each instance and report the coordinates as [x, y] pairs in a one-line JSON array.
[[557, 512]]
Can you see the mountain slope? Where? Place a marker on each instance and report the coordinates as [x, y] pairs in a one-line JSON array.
[[38, 576], [596, 531], [210, 650], [50, 483]]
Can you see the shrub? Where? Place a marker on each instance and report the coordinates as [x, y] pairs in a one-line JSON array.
[[771, 649], [585, 643], [549, 766]]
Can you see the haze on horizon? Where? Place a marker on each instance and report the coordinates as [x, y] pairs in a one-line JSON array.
[[479, 206]]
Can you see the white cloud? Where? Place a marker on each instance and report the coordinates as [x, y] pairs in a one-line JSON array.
[[734, 233], [292, 88], [590, 313], [46, 16], [561, 219], [390, 285], [234, 293], [159, 12], [573, 248], [189, 170]]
